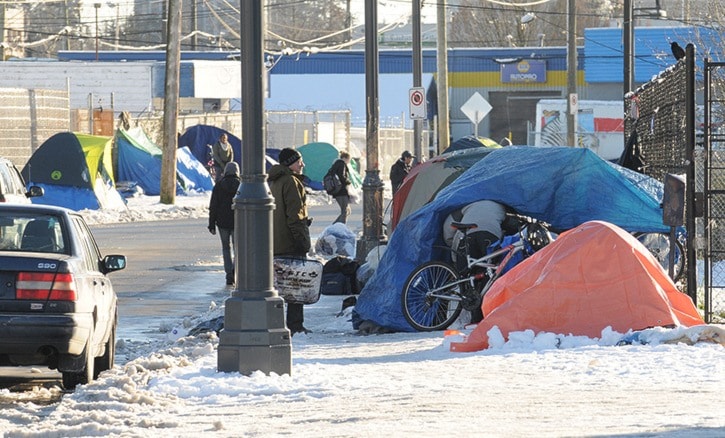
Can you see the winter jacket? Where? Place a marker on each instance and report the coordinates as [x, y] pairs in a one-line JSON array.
[[291, 224], [398, 172], [220, 205], [222, 153], [339, 167]]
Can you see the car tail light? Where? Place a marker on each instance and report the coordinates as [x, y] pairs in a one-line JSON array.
[[45, 286]]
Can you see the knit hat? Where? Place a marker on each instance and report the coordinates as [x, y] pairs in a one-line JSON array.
[[231, 168], [288, 156]]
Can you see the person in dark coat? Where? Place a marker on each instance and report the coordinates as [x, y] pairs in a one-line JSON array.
[[221, 214], [290, 222], [339, 167], [399, 170]]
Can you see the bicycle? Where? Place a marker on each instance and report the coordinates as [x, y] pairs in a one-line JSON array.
[[436, 292], [658, 244]]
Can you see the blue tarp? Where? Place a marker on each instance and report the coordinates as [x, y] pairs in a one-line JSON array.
[[562, 186], [139, 160], [198, 138]]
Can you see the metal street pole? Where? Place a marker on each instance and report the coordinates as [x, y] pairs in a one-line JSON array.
[[254, 337], [417, 76], [444, 132], [571, 75], [372, 184], [97, 6], [628, 42]]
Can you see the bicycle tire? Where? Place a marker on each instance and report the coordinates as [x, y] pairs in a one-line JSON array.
[[423, 312], [658, 244]]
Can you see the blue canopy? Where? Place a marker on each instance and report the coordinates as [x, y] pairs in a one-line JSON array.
[[139, 160], [560, 185]]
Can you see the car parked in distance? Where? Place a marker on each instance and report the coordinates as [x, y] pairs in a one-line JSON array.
[[12, 186], [57, 306]]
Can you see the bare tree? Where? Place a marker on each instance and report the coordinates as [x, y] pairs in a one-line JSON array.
[[43, 21], [480, 23], [310, 23]]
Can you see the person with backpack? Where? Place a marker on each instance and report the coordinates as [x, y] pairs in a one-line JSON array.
[[342, 196]]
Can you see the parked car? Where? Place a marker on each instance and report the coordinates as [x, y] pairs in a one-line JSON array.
[[12, 186], [57, 305]]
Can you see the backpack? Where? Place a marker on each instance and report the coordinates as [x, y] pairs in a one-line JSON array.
[[331, 182]]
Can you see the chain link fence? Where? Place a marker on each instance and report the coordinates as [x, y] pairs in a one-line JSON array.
[[29, 117], [657, 131]]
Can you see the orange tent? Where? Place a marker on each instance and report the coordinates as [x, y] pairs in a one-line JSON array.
[[593, 276]]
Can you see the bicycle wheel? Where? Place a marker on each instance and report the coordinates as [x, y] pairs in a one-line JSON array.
[[422, 310], [658, 244]]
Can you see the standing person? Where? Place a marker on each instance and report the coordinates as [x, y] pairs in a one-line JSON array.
[[221, 214], [339, 168], [399, 170], [290, 221], [222, 153]]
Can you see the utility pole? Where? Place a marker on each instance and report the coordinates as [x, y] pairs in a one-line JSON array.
[[627, 41], [2, 31], [372, 184], [97, 6], [171, 103], [194, 25], [444, 133], [254, 337], [571, 75], [417, 76]]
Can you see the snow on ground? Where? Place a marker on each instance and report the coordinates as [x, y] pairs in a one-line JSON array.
[[403, 384]]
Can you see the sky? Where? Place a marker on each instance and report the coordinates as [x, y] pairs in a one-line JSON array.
[[408, 384]]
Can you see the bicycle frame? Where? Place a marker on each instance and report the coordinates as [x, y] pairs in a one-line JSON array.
[[492, 270]]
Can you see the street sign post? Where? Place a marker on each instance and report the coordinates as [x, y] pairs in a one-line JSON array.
[[476, 109], [416, 98]]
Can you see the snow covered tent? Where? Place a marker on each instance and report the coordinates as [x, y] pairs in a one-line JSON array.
[[592, 277], [139, 160], [471, 141], [75, 171], [426, 179], [560, 185]]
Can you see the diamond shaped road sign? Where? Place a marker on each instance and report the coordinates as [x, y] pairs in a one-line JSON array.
[[476, 108]]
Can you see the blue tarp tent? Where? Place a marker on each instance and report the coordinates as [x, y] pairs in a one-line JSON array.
[[198, 138], [560, 185], [139, 160]]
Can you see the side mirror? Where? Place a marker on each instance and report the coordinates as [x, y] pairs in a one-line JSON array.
[[34, 191], [114, 263]]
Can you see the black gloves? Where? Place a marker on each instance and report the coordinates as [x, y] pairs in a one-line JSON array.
[[212, 229]]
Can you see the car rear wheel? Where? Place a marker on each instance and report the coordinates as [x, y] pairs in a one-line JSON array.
[[105, 362], [71, 379]]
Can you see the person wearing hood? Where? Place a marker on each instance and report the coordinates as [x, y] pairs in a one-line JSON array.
[[290, 222], [221, 214]]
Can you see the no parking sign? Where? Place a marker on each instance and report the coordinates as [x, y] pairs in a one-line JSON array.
[[416, 98]]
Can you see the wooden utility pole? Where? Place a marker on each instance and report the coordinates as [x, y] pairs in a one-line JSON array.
[[171, 103]]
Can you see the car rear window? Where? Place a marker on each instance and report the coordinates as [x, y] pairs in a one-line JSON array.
[[32, 233]]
